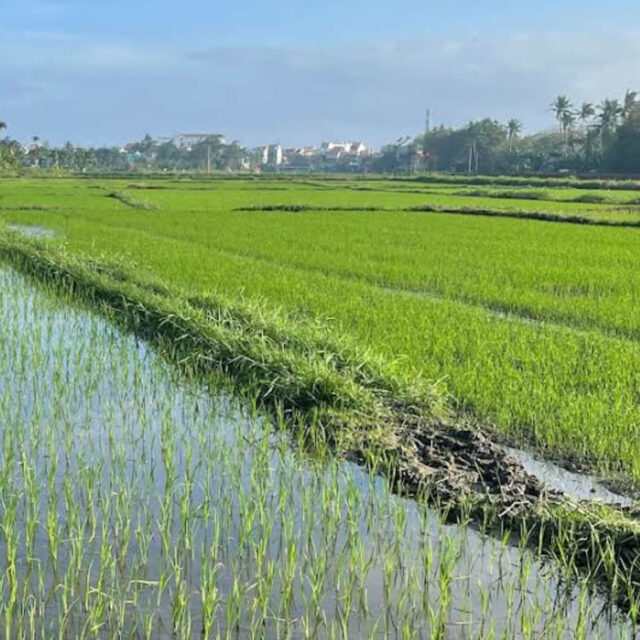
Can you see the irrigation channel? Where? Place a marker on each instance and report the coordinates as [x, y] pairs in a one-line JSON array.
[[139, 503]]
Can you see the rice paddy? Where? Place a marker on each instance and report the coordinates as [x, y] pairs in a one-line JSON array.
[[142, 499], [139, 503]]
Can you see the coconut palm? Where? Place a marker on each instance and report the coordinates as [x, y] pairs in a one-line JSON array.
[[561, 106], [608, 120], [628, 104], [568, 120], [514, 127], [586, 112], [610, 112]]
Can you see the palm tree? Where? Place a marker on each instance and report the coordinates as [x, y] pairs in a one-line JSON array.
[[586, 112], [561, 106], [514, 127], [609, 117], [610, 112], [630, 101], [568, 120]]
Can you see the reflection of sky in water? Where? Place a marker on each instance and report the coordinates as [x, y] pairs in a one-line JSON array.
[[108, 427], [33, 231], [576, 485]]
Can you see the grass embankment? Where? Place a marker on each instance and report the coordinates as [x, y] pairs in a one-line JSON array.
[[537, 182], [334, 394], [128, 200], [629, 220]]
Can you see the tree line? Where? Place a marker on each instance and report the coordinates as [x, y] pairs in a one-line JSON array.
[[208, 153], [587, 138], [602, 138]]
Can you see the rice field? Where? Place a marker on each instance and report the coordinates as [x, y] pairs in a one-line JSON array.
[[531, 326], [139, 503], [141, 499]]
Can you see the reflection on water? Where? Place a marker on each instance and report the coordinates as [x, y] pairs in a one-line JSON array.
[[33, 231], [139, 504], [580, 486]]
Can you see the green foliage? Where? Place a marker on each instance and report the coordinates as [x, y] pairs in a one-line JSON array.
[[624, 155]]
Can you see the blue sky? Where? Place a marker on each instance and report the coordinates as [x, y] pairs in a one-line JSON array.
[[102, 72]]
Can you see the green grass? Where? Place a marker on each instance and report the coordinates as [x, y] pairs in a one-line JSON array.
[[532, 327]]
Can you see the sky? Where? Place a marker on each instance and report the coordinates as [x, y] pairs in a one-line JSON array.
[[300, 72]]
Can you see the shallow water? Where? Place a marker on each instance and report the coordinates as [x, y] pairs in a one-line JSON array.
[[136, 503], [580, 486], [32, 231]]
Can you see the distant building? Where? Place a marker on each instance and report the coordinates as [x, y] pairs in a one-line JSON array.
[[189, 140], [306, 157], [302, 152], [340, 149], [271, 155]]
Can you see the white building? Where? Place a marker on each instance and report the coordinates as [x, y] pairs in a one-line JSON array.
[[338, 149], [271, 155]]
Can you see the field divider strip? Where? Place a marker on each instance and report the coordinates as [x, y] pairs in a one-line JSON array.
[[539, 216]]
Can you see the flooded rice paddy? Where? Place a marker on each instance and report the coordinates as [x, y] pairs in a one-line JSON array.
[[139, 503]]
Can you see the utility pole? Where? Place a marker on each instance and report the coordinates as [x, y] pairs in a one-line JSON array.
[[423, 148], [208, 158]]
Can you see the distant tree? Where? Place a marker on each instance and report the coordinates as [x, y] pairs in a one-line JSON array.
[[610, 112], [608, 120], [10, 152], [543, 151], [629, 103], [514, 128], [585, 115], [35, 153], [624, 151], [444, 146], [232, 156], [567, 121], [484, 140], [561, 107], [586, 112]]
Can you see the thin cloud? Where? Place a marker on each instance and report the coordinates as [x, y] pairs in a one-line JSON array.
[[306, 94], [65, 53]]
